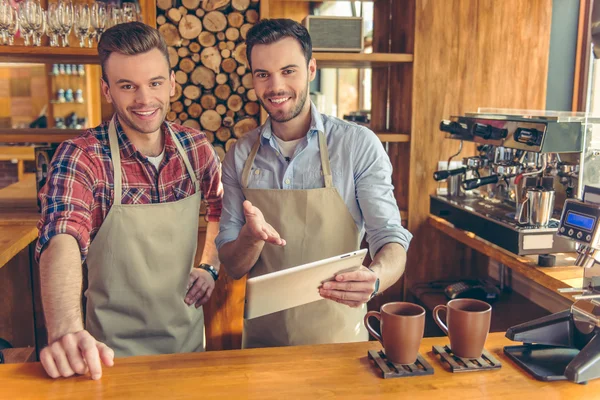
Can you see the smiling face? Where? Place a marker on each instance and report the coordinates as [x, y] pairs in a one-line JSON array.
[[139, 87], [281, 78]]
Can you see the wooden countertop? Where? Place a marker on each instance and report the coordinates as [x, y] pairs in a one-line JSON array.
[[564, 274], [308, 372], [18, 217]]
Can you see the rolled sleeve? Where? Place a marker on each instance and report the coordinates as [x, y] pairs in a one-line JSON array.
[[66, 199], [375, 194], [211, 186], [232, 217]]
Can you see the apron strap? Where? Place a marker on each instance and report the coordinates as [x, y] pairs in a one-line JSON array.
[[250, 161], [325, 166], [116, 161], [186, 160]]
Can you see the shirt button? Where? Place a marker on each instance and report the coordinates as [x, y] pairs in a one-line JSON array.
[[287, 181], [256, 172]]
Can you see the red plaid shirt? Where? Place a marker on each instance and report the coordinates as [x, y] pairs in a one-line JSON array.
[[79, 189]]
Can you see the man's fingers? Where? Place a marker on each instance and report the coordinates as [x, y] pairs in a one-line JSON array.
[[196, 292], [273, 236], [361, 275], [48, 363], [366, 287], [247, 205], [345, 296], [89, 350], [107, 355], [69, 345], [202, 301], [60, 360], [191, 281], [348, 303]]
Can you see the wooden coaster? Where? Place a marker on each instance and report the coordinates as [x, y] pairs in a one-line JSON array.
[[460, 364], [390, 370]]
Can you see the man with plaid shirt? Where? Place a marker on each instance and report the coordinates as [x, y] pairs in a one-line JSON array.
[[125, 198]]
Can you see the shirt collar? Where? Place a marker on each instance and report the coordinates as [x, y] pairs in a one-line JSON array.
[[129, 150], [316, 125]]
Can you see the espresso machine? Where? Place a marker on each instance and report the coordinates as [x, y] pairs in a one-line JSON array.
[[527, 163], [566, 345]]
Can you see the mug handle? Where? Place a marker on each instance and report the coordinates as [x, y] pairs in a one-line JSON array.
[[377, 315], [437, 319]]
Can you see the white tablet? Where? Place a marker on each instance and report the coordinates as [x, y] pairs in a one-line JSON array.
[[295, 286]]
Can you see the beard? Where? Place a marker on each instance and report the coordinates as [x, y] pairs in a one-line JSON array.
[[282, 115], [144, 127]]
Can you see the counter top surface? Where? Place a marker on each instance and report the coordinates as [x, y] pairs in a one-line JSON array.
[[307, 372], [18, 217], [563, 274]]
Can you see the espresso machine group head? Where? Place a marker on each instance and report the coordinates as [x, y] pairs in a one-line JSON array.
[[571, 338]]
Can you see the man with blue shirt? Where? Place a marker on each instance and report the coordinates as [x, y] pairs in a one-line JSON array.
[[305, 187]]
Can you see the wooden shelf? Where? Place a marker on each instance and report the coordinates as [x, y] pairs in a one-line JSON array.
[[46, 54], [390, 137], [38, 135], [359, 60]]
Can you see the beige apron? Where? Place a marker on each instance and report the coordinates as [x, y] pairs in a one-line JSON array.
[[138, 268], [316, 224]]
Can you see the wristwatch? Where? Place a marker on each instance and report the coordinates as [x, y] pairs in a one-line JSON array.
[[376, 291], [213, 272]]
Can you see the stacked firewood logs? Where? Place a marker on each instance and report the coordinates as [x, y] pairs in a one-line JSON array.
[[207, 51]]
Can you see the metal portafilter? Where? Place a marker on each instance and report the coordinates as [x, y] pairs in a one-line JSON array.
[[446, 173], [470, 184]]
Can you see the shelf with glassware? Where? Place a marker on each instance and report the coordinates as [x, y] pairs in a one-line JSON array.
[[65, 31]]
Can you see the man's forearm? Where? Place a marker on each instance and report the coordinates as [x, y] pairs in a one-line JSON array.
[[61, 286], [210, 255], [389, 264], [239, 256]]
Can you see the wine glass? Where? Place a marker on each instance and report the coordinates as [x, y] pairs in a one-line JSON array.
[[98, 18], [82, 23], [52, 20], [6, 17], [13, 27], [65, 19], [26, 29], [114, 15], [129, 12]]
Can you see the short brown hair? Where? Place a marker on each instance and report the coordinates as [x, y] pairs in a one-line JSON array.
[[130, 38], [269, 31]]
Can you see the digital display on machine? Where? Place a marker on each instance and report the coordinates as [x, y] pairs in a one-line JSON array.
[[580, 221]]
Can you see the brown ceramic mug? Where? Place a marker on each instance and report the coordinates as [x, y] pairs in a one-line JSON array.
[[468, 325], [402, 327]]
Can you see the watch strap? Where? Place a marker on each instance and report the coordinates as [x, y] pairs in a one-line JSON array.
[[210, 269]]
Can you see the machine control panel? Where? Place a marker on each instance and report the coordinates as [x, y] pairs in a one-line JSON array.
[[580, 222]]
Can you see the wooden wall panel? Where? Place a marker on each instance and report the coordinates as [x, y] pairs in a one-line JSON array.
[[394, 89], [295, 10], [468, 54], [16, 302], [224, 312]]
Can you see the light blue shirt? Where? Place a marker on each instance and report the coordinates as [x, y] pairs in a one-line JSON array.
[[360, 167]]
